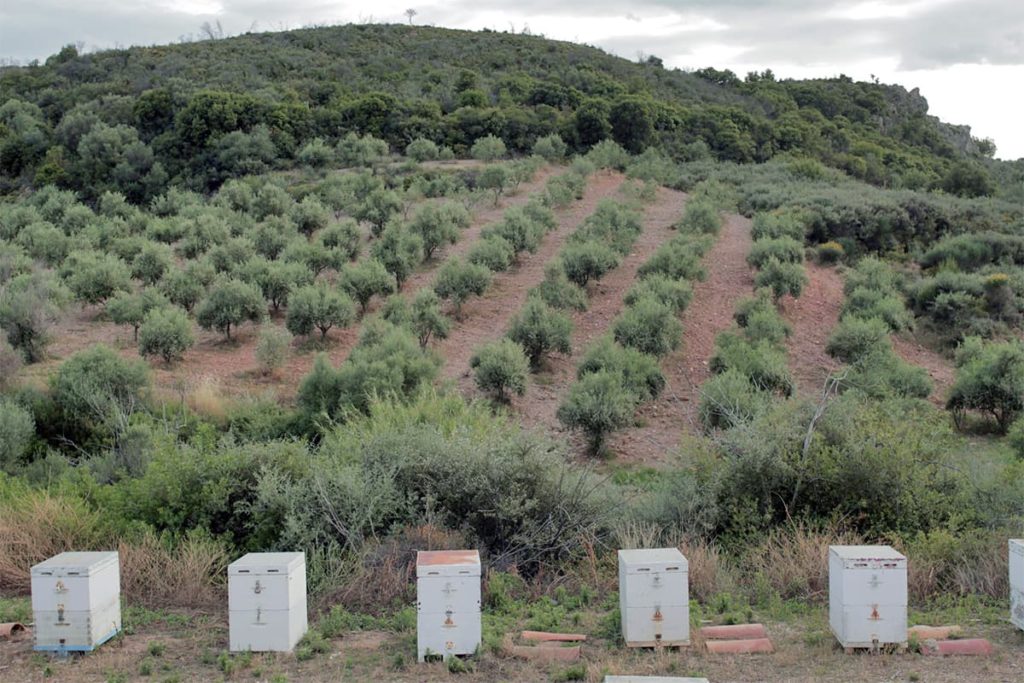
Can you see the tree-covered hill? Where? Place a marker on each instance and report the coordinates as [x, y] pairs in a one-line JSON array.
[[197, 114]]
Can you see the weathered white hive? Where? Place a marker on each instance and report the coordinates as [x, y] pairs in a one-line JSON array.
[[867, 604], [1017, 582], [447, 603], [654, 597], [267, 602], [76, 601]]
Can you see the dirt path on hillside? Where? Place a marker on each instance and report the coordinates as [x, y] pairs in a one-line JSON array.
[[487, 318], [229, 368], [938, 367], [547, 388], [812, 317], [663, 421]]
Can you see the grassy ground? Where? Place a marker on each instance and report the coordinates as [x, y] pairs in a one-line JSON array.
[[170, 646]]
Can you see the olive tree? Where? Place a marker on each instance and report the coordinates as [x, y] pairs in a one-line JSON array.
[[597, 404], [499, 368], [131, 308], [166, 332], [318, 306], [229, 304], [365, 279], [540, 330], [458, 280]]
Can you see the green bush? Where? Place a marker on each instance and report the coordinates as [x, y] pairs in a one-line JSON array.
[[422, 150], [94, 277], [550, 147], [587, 261], [991, 382], [229, 304], [863, 302], [98, 385], [782, 278], [499, 368], [700, 217], [608, 154], [830, 253], [17, 430], [762, 363], [165, 332], [152, 261], [426, 318], [343, 236], [730, 399], [597, 404], [778, 224], [677, 259], [638, 372], [1015, 438], [766, 325], [131, 309], [870, 273], [855, 337], [614, 224], [271, 348], [10, 363], [783, 249], [880, 374], [518, 228], [399, 250], [558, 292], [439, 224], [494, 253], [182, 289], [30, 306], [540, 330], [366, 279], [315, 154], [488, 148], [309, 215], [676, 294], [458, 280], [379, 207], [496, 178], [318, 307], [648, 326]]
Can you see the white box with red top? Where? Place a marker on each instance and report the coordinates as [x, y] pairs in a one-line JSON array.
[[447, 603]]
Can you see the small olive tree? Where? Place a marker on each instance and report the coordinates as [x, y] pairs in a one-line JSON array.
[[598, 405], [166, 332], [458, 280], [229, 304], [499, 368], [318, 307]]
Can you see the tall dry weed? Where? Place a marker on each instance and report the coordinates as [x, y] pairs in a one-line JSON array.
[[185, 574]]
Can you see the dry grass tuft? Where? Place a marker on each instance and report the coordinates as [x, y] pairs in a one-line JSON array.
[[710, 571], [207, 400], [187, 574]]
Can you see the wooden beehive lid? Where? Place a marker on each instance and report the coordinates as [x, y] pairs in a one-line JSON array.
[[447, 563]]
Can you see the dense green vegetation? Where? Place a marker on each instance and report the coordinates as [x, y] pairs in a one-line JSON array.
[[301, 178]]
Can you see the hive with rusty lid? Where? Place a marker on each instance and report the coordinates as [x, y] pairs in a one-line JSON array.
[[76, 601], [267, 602], [447, 603], [654, 597], [867, 596]]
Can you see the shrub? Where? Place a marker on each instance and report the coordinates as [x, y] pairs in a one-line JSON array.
[[540, 330], [762, 363], [612, 223], [551, 147], [389, 364], [608, 154], [165, 332], [152, 261], [182, 289], [558, 292], [230, 303], [97, 385], [494, 178], [648, 326], [1015, 438], [676, 294], [377, 209], [488, 148], [499, 368], [309, 215], [494, 253], [30, 305], [677, 259], [830, 253], [10, 363], [271, 349], [399, 250], [343, 236], [782, 278], [426, 318], [778, 224], [863, 302], [458, 280], [783, 249], [880, 374], [518, 228], [587, 261], [870, 273], [94, 277], [365, 279], [766, 325], [439, 224], [17, 429], [318, 306], [422, 150], [315, 154], [638, 372], [855, 337], [276, 279], [701, 217], [597, 404], [131, 309], [730, 399], [991, 381]]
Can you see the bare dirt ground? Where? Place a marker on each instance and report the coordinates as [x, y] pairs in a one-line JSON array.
[[487, 318], [546, 388], [229, 367], [812, 317], [193, 647], [938, 367]]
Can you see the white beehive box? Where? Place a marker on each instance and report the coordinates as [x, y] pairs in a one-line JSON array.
[[447, 603], [267, 602], [1017, 582], [76, 601], [654, 597], [867, 604]]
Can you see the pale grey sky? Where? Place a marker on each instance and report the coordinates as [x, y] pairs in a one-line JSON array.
[[967, 56]]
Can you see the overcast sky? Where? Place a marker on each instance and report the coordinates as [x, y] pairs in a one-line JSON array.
[[967, 56]]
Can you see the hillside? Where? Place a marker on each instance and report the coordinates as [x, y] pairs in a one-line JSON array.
[[366, 290]]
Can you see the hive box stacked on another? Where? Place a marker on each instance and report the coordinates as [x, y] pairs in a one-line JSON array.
[[267, 602], [654, 597], [447, 603], [1017, 582], [867, 604], [76, 601]]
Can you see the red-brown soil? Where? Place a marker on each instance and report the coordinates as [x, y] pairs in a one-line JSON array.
[[938, 367], [663, 421], [487, 318], [812, 317]]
